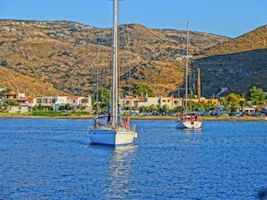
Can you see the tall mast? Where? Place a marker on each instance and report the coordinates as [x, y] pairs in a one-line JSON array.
[[186, 65], [198, 83], [97, 92], [115, 64]]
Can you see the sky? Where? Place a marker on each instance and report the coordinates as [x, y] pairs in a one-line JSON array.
[[224, 17]]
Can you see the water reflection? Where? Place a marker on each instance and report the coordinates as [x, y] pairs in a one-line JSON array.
[[189, 131], [119, 168]]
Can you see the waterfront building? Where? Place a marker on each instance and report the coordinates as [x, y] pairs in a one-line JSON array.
[[46, 102], [130, 103], [24, 104], [148, 101], [134, 103], [170, 102], [19, 109], [249, 110], [57, 102], [84, 103]]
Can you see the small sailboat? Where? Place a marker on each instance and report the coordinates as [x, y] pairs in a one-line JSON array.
[[189, 120], [115, 131]]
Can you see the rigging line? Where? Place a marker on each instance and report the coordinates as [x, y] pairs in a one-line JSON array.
[[186, 65], [95, 63], [127, 49], [119, 62]]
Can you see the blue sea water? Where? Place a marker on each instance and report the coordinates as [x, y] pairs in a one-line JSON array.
[[52, 159]]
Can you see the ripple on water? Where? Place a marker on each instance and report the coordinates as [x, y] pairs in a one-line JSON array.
[[52, 159]]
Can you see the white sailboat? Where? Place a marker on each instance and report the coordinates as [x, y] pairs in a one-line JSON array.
[[114, 132], [189, 120]]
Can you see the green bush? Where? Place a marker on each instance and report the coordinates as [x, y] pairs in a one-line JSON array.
[[80, 113], [48, 113], [142, 90]]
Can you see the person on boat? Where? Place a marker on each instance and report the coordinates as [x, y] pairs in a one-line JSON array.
[[200, 119], [192, 120], [108, 119], [179, 117], [127, 122], [97, 122]]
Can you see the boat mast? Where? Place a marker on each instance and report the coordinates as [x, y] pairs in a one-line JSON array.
[[97, 92], [198, 83], [114, 105], [186, 66]]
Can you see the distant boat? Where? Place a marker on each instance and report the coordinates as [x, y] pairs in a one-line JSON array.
[[111, 129], [189, 120]]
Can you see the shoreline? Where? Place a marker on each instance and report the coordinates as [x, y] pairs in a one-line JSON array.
[[206, 118]]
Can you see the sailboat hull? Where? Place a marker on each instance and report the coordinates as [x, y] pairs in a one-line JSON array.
[[112, 137], [189, 125]]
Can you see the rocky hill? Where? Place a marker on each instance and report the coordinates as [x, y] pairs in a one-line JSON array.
[[235, 65], [21, 83], [67, 55], [256, 39]]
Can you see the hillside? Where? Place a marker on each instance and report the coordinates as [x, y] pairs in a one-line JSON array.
[[236, 65], [20, 83], [66, 54], [256, 39]]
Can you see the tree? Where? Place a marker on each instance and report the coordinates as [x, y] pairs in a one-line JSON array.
[[142, 90], [231, 101], [179, 109], [208, 105], [243, 103], [5, 92], [142, 109], [104, 98], [195, 106], [67, 106], [165, 108], [152, 108], [79, 107], [12, 102], [256, 94]]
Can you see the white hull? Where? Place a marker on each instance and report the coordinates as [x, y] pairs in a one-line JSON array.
[[112, 137], [189, 125]]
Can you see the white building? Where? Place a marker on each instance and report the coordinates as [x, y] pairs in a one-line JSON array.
[[129, 103], [249, 110], [85, 103], [19, 109], [56, 102], [47, 102], [133, 103], [170, 102], [148, 101]]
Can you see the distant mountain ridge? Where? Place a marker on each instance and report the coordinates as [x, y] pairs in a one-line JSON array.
[[256, 39], [237, 64], [66, 54]]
